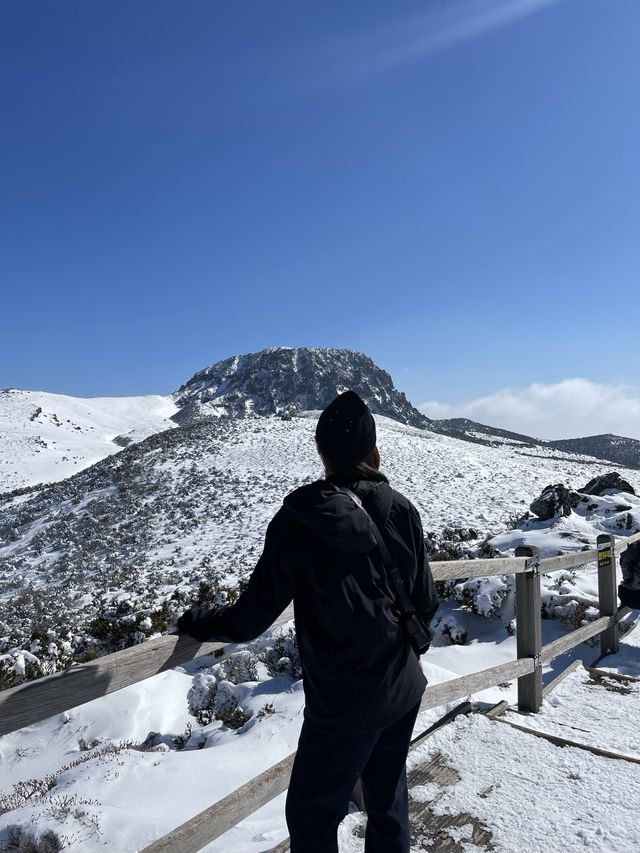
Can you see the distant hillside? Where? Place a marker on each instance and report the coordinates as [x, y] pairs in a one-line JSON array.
[[46, 437], [609, 448], [623, 451], [469, 430]]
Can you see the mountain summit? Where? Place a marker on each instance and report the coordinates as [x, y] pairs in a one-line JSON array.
[[286, 380]]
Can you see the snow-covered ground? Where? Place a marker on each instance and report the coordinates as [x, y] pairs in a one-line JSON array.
[[533, 796], [192, 504], [542, 798], [579, 711], [47, 437]]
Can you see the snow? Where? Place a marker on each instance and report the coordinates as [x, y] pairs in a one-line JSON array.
[[532, 795], [145, 794], [627, 660], [577, 710], [46, 437]]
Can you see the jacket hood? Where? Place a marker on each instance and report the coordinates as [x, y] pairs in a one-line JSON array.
[[335, 518]]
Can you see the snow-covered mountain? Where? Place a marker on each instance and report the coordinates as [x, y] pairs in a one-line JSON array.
[[45, 438]]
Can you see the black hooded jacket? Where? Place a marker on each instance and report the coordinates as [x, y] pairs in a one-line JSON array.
[[359, 669]]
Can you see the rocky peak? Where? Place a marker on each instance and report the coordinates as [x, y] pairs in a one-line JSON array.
[[286, 381]]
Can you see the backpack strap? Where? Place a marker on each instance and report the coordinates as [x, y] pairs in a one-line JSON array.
[[403, 601]]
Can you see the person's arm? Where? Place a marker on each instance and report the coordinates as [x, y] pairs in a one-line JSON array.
[[423, 596], [268, 593]]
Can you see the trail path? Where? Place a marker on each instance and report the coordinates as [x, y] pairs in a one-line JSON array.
[[480, 785]]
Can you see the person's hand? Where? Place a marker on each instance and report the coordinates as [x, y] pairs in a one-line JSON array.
[[199, 623], [193, 623], [185, 622]]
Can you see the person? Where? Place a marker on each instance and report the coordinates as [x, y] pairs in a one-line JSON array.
[[629, 589], [362, 679]]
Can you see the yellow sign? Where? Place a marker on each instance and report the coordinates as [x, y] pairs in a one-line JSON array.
[[604, 556]]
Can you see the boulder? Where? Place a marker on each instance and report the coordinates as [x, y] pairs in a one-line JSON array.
[[612, 480], [555, 500]]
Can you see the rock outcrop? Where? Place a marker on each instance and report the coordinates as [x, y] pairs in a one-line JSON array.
[[286, 381], [612, 480], [555, 500]]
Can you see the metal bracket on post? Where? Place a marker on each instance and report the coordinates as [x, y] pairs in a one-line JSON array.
[[532, 565], [529, 628]]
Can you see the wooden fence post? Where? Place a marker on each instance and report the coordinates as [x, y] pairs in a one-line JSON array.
[[608, 591], [529, 630]]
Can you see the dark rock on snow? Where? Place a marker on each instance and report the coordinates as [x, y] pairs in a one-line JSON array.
[[612, 480], [555, 499]]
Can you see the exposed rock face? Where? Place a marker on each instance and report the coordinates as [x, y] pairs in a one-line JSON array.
[[285, 381], [612, 480], [555, 499]]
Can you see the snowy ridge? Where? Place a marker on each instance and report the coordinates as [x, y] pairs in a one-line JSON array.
[[48, 437], [45, 438]]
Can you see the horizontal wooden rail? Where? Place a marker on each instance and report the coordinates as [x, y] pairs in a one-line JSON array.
[[568, 561], [574, 638], [466, 685], [443, 570]]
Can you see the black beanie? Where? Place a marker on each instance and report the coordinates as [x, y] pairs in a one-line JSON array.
[[346, 430]]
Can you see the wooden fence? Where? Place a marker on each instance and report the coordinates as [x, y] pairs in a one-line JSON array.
[[36, 700]]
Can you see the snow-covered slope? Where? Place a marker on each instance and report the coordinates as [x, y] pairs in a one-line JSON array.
[[47, 437], [127, 541], [106, 557]]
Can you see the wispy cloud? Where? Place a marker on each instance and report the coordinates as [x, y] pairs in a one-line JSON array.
[[433, 30], [567, 409]]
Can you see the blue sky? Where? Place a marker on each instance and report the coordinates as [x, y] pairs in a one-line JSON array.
[[451, 186]]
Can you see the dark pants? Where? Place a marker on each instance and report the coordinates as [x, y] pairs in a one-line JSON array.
[[324, 773]]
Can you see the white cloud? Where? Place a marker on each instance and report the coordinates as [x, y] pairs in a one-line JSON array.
[[568, 409], [429, 32]]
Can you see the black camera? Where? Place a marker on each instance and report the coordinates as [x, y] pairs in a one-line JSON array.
[[418, 635]]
